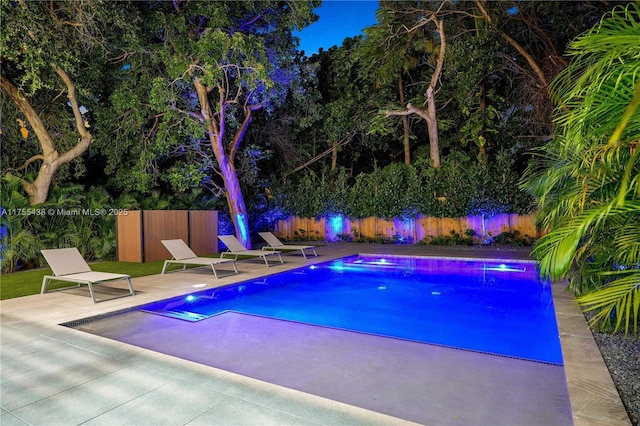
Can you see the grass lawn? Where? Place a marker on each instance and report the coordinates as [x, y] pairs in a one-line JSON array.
[[29, 282], [25, 283]]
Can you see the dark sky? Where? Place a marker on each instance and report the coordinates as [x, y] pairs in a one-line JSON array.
[[339, 19]]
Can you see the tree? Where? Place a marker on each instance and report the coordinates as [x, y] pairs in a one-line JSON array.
[[52, 50], [587, 181], [397, 38], [391, 53], [223, 62], [536, 33]]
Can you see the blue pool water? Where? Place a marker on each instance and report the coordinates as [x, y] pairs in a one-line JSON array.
[[492, 307]]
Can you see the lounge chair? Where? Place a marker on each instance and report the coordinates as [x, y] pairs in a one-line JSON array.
[[236, 249], [275, 244], [68, 264], [184, 256]]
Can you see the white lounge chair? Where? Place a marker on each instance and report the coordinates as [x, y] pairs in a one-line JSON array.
[[236, 249], [184, 256], [275, 244], [68, 265]]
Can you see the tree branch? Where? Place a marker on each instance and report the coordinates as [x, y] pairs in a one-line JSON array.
[[30, 160], [408, 111], [248, 110], [532, 62]]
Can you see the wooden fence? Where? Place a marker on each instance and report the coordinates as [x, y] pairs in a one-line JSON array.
[[139, 233], [410, 230]]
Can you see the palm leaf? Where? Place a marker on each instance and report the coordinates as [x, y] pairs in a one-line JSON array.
[[617, 302]]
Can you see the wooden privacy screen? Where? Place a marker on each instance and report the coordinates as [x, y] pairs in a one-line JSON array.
[[411, 230], [139, 233]]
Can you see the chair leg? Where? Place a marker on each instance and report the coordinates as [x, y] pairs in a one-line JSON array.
[[93, 296], [215, 274], [45, 281], [131, 291]]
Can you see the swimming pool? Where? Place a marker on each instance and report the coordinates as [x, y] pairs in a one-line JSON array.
[[485, 306]]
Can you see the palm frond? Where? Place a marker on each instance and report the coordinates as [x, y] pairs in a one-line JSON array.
[[617, 303]]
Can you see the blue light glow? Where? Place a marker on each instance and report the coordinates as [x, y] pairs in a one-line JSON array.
[[510, 307], [336, 224], [504, 268], [244, 234]]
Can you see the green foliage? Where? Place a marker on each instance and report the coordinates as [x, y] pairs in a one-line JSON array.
[[71, 218], [75, 217], [454, 239], [460, 187], [513, 239], [587, 179]]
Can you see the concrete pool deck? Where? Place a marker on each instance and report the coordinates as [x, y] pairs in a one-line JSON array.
[[53, 375]]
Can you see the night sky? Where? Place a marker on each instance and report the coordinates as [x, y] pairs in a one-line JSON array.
[[339, 19]]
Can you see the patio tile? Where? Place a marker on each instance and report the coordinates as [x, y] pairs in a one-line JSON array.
[[596, 398], [8, 419], [31, 349], [89, 399], [301, 405], [169, 404], [29, 378], [232, 411]]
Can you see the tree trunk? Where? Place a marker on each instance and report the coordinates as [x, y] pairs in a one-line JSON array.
[[52, 160], [432, 127], [334, 164], [233, 192], [405, 124], [235, 201], [430, 115]]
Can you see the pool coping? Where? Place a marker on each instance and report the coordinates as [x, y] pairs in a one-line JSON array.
[[594, 398]]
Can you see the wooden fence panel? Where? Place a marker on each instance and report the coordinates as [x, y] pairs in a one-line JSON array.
[[384, 228], [419, 229], [497, 224], [405, 229], [526, 225], [284, 229], [474, 223], [428, 228], [162, 225], [129, 236], [139, 233], [317, 229], [448, 225], [368, 227], [203, 231], [300, 227]]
